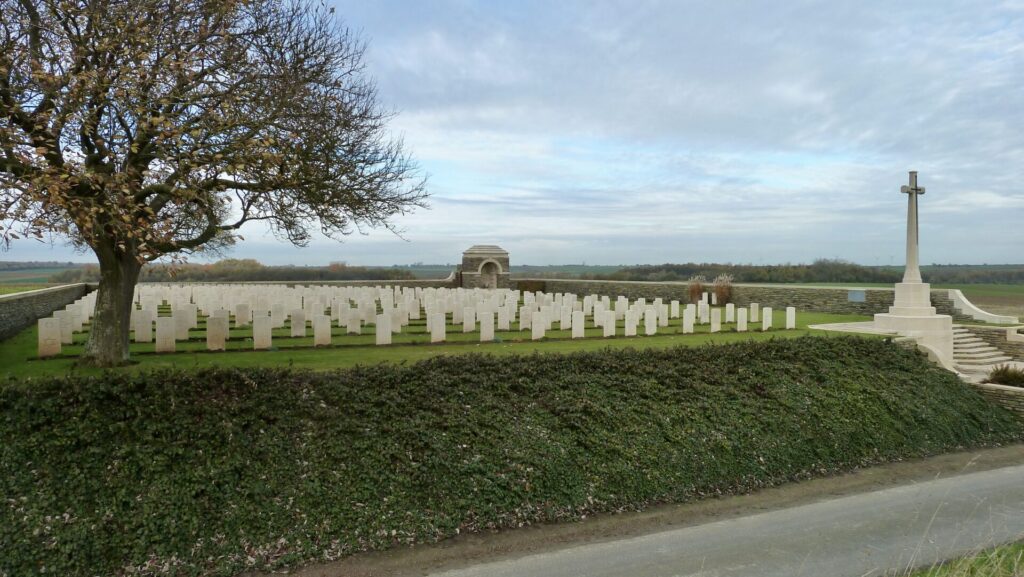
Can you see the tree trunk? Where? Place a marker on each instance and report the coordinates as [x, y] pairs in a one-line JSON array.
[[111, 324]]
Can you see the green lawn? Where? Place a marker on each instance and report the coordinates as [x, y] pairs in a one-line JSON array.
[[10, 288], [18, 354]]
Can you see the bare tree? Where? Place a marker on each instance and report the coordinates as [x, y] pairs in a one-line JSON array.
[[150, 128]]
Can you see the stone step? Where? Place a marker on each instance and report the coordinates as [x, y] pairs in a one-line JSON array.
[[982, 362], [974, 349], [979, 355], [971, 344], [969, 341]]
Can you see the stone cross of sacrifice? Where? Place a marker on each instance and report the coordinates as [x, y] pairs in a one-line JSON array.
[[912, 273]]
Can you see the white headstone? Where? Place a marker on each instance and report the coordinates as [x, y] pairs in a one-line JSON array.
[[486, 327], [277, 316], [468, 319], [216, 333], [730, 313], [298, 323], [741, 320], [578, 324], [243, 315], [49, 337], [321, 330], [261, 332], [181, 325], [537, 330], [790, 317], [650, 322], [166, 331], [688, 319], [66, 328], [755, 312], [609, 323], [437, 327], [383, 328], [716, 320], [766, 318], [355, 325], [673, 309], [143, 327]]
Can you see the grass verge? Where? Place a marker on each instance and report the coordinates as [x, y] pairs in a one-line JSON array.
[[221, 470], [1004, 561]]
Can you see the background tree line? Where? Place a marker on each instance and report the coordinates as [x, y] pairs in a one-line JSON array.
[[820, 271], [241, 270]]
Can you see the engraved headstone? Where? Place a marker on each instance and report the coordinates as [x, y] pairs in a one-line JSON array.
[[790, 317], [486, 327], [321, 330], [298, 323], [741, 320], [243, 315], [383, 329], [143, 326], [650, 322], [437, 328], [537, 330], [166, 333], [49, 337], [578, 324], [262, 339], [216, 333], [609, 323], [766, 319], [716, 320]]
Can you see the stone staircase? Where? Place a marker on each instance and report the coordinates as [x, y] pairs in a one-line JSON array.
[[972, 355]]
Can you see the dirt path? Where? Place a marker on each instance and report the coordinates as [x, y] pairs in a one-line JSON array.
[[467, 550]]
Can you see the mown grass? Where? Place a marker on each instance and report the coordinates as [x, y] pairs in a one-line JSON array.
[[18, 354], [1004, 561], [11, 288], [218, 471]]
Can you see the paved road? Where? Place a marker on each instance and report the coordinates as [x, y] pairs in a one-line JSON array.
[[858, 536]]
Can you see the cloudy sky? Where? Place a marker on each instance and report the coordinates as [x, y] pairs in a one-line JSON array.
[[649, 132]]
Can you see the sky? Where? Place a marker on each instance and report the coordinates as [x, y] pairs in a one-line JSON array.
[[650, 132]]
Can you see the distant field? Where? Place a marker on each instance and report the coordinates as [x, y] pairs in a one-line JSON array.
[[34, 275], [6, 289]]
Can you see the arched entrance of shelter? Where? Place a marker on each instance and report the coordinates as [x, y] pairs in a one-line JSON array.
[[489, 274]]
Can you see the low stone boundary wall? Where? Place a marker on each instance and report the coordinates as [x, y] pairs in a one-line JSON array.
[[20, 310], [838, 300], [1010, 397]]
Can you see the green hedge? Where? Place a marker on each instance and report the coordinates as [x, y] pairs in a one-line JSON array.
[[217, 471]]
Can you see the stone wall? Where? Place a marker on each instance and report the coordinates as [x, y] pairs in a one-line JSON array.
[[19, 311], [996, 337], [838, 300], [1011, 398]]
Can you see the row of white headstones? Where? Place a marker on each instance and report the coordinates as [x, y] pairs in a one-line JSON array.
[[389, 309]]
